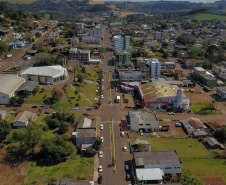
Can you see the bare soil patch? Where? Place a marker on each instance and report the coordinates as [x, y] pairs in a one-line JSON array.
[[213, 181]]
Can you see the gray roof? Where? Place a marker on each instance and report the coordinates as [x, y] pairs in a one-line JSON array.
[[149, 173], [145, 116], [52, 71], [90, 132], [87, 123], [199, 69], [124, 73], [156, 158], [23, 116], [9, 83], [2, 112], [29, 85], [212, 141], [208, 77], [222, 89]]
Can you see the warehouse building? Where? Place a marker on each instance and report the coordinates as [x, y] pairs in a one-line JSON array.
[[158, 95], [8, 86]]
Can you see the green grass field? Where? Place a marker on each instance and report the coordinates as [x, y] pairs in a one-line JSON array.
[[74, 98], [205, 168], [202, 17], [78, 166], [92, 73], [203, 105], [182, 146], [38, 98], [20, 1]]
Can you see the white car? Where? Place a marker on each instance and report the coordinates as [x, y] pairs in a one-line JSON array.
[[102, 96], [100, 154], [124, 149], [75, 108], [122, 134], [102, 139], [100, 169], [171, 113], [101, 127], [127, 167]]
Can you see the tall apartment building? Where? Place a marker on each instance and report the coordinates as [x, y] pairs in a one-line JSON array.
[[121, 42], [78, 54], [123, 58], [96, 31], [155, 66]]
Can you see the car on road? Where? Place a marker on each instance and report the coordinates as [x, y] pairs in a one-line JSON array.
[[45, 107], [86, 114], [127, 177], [75, 108], [100, 168], [116, 89], [102, 139], [178, 124], [126, 101], [171, 113], [127, 167], [101, 127], [100, 154], [124, 149], [122, 134], [89, 109], [100, 180], [54, 112], [35, 106], [47, 113], [102, 96]]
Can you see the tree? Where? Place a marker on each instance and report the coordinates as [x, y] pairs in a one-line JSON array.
[[13, 100], [80, 78], [4, 129], [113, 161], [20, 100], [30, 136], [71, 118], [76, 92], [53, 123], [97, 143], [220, 134], [63, 127], [56, 94], [40, 111]]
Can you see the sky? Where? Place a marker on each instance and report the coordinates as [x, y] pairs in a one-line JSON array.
[[196, 1]]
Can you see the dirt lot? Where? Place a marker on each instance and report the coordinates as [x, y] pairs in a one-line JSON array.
[[213, 181]]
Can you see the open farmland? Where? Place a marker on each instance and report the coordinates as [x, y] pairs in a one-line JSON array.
[[202, 17]]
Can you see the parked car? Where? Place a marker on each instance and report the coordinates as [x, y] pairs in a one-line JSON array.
[[141, 132], [89, 109], [126, 101], [102, 96], [86, 114], [122, 134], [100, 180], [127, 167], [178, 124], [171, 113], [47, 113], [35, 106], [116, 89], [127, 177], [100, 169], [45, 107], [75, 108], [101, 127], [100, 154], [124, 149], [102, 139]]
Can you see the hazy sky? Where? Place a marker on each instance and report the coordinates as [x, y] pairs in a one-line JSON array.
[[196, 1]]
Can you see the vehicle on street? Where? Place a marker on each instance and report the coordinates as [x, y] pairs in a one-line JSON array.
[[201, 92], [54, 112], [126, 101], [102, 139], [102, 96], [75, 108], [47, 113], [127, 167], [35, 106], [101, 127], [116, 89], [100, 154], [86, 114], [127, 177], [89, 109], [100, 180], [121, 129], [164, 128], [122, 134], [124, 149], [178, 124], [100, 169], [44, 107], [171, 113]]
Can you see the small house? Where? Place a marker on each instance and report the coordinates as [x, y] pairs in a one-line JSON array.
[[23, 118]]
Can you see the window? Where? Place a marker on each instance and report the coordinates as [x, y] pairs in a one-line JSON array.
[[168, 167], [148, 124], [141, 124]]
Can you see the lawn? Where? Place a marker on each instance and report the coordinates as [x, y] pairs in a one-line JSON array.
[[78, 166], [203, 107], [205, 167], [11, 118], [73, 98], [88, 90], [20, 1], [202, 17], [38, 98], [92, 73], [182, 146]]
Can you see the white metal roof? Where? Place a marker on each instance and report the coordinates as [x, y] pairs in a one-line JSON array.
[[149, 173], [9, 83], [52, 71]]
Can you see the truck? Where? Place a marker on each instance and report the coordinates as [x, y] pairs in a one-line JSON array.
[[117, 99], [164, 128]]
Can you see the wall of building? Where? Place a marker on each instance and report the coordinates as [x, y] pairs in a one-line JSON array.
[[134, 124], [4, 98], [20, 124], [176, 168]]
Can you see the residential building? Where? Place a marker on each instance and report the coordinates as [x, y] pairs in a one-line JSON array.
[[145, 70], [157, 95], [96, 31], [168, 65], [91, 40], [142, 121], [221, 92], [23, 118], [214, 144], [199, 71], [78, 54], [221, 71], [123, 58], [130, 75], [158, 35], [80, 26], [152, 166], [121, 42], [155, 66], [144, 26], [2, 114], [8, 87], [45, 74], [16, 35], [191, 63], [208, 80]]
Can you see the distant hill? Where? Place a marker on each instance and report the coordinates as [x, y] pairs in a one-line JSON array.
[[20, 1]]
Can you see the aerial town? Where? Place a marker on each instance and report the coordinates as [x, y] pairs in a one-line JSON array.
[[112, 100]]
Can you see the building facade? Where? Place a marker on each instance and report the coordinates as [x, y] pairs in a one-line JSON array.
[[221, 92], [78, 54], [121, 42], [155, 67], [123, 58], [96, 31], [130, 76]]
